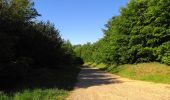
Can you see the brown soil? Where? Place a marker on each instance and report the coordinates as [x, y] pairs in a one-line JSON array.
[[94, 84]]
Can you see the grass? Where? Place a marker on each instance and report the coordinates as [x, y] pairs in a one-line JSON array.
[[43, 84], [154, 72], [95, 65], [37, 94]]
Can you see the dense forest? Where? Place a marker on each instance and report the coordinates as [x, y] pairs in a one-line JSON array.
[[29, 48], [141, 33]]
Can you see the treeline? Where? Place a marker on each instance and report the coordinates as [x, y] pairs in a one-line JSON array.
[[141, 33], [27, 44]]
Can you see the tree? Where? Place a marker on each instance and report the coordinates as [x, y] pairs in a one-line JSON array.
[[27, 45], [139, 34]]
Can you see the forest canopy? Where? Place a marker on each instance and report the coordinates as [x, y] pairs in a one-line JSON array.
[[27, 44], [141, 33]]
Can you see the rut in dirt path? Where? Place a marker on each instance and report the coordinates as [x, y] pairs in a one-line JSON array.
[[94, 84]]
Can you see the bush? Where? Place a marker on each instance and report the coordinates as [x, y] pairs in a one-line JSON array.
[[163, 53]]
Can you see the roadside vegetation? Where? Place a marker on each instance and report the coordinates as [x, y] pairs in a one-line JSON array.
[[140, 34], [38, 94], [153, 72], [35, 62], [43, 84]]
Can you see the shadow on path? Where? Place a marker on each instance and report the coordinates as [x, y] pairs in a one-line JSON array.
[[94, 77]]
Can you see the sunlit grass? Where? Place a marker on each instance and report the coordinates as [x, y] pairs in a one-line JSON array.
[[87, 63], [101, 65], [37, 94], [154, 72], [95, 65]]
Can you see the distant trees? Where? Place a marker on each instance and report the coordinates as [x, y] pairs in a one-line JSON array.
[[27, 44], [139, 34]]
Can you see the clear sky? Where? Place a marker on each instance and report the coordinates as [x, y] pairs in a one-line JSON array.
[[80, 21]]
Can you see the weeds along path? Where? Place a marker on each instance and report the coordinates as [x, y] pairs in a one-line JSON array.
[[94, 84]]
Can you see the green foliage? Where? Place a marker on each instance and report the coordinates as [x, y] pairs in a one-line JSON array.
[[37, 94], [28, 45], [163, 53], [84, 51], [139, 34], [43, 84]]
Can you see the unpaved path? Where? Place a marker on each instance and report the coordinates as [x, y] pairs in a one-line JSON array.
[[99, 85]]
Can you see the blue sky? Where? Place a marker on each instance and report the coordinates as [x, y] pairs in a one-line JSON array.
[[80, 21]]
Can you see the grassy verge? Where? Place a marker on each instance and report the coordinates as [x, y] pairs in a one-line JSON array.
[[37, 94], [154, 72], [43, 84]]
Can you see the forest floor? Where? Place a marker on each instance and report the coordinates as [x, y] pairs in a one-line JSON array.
[[94, 84]]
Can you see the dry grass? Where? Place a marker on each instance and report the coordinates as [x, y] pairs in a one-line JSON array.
[[154, 71]]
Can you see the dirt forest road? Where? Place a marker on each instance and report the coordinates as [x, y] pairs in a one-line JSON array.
[[94, 84]]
